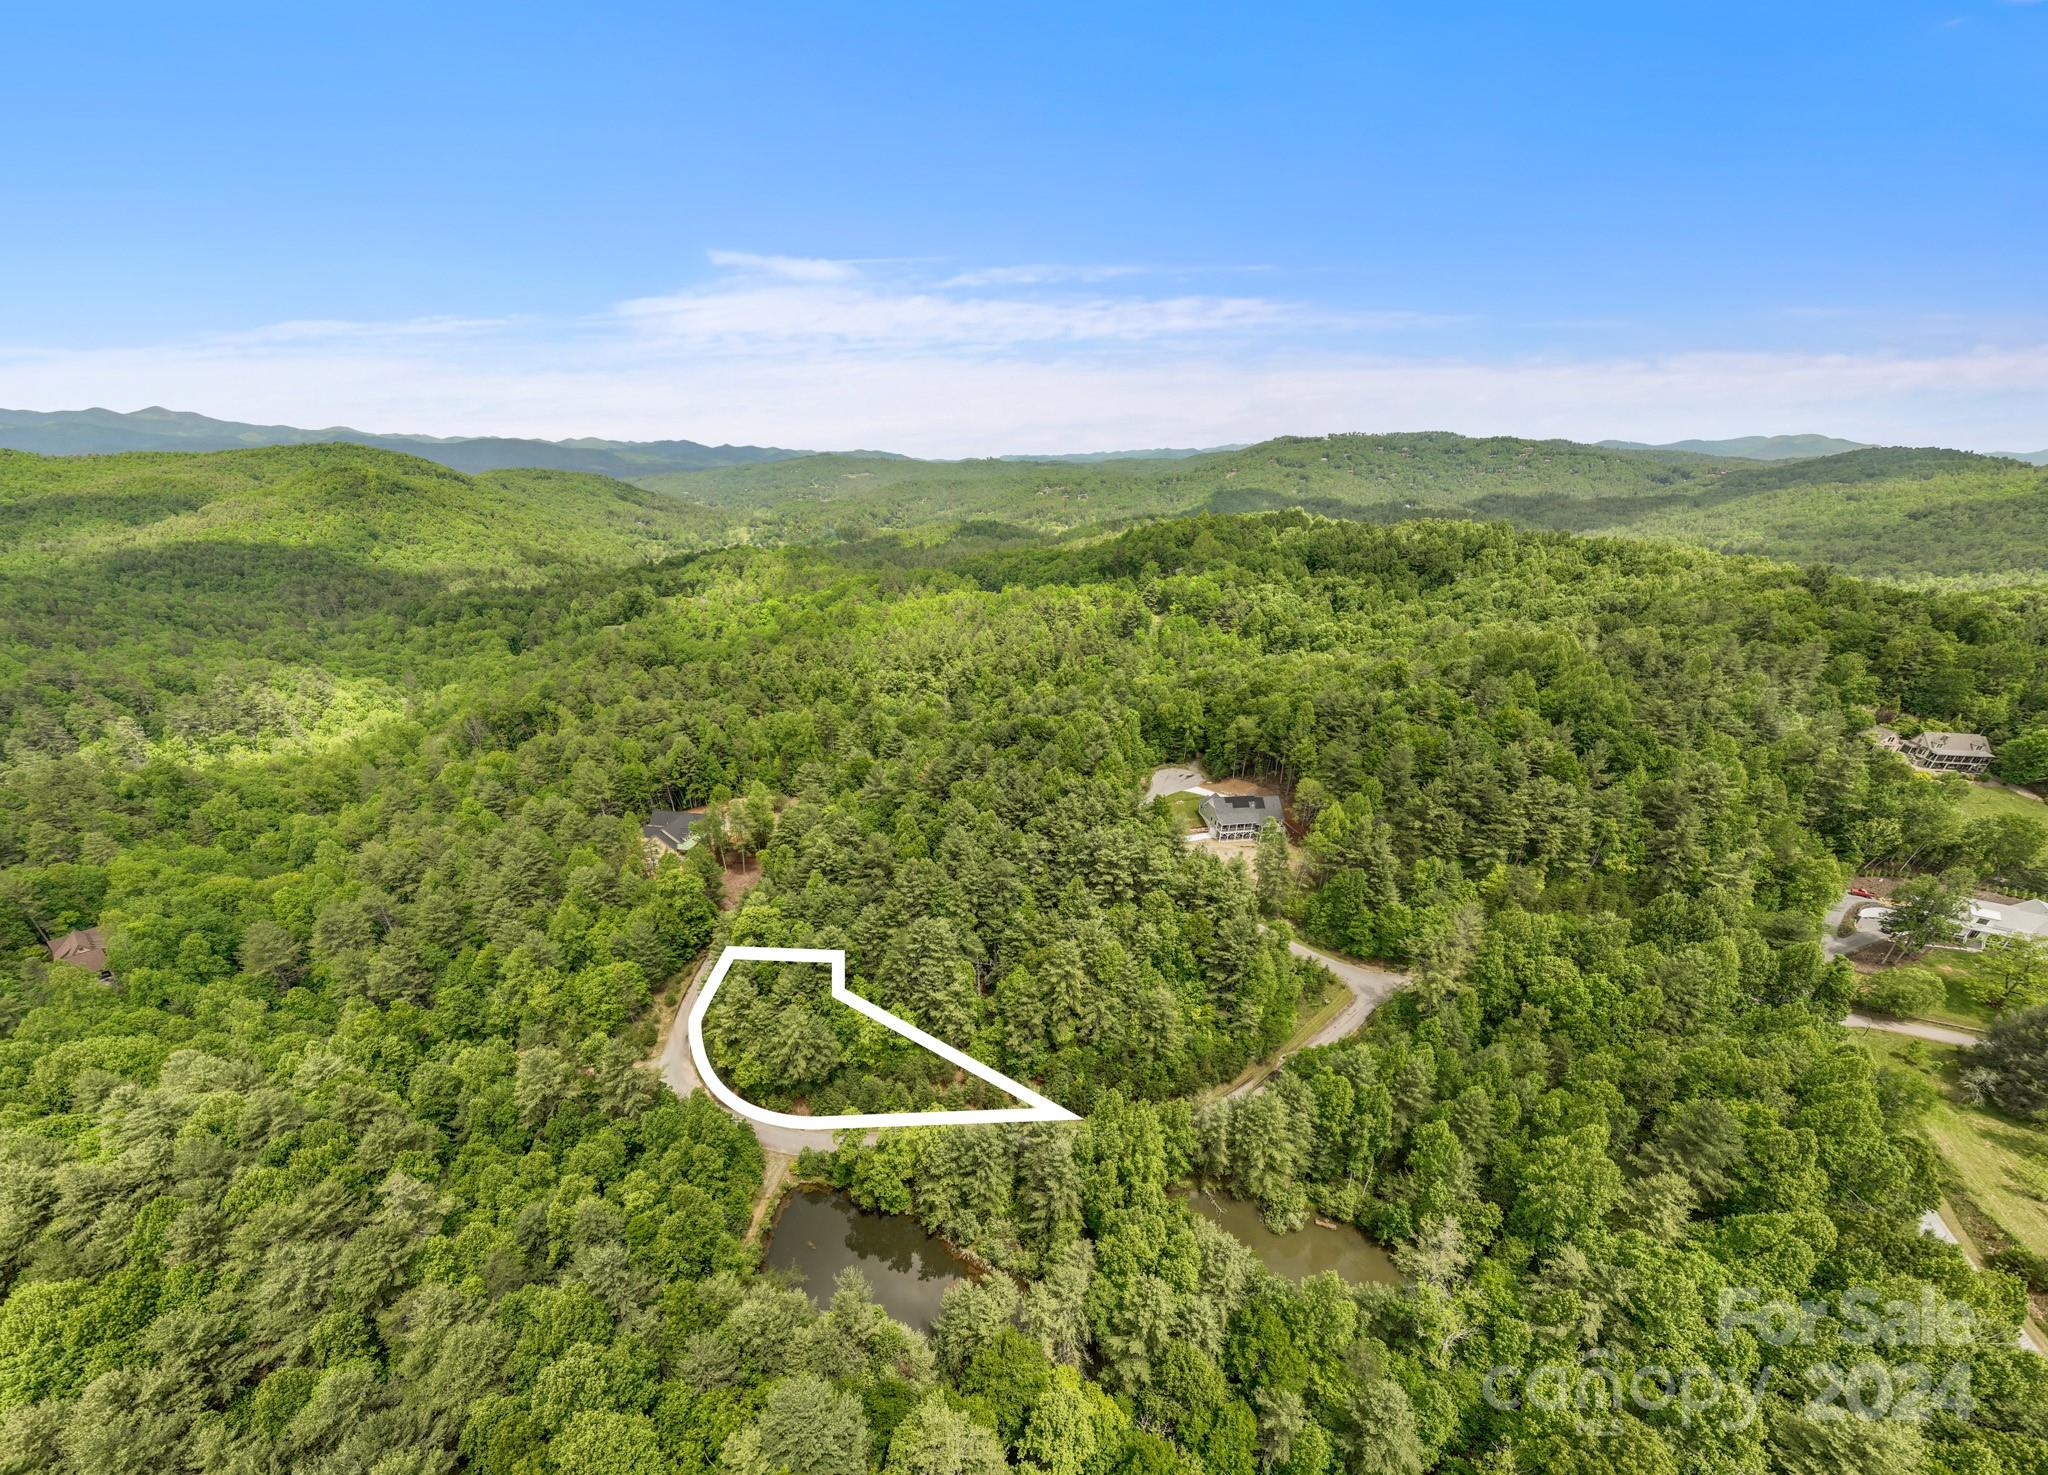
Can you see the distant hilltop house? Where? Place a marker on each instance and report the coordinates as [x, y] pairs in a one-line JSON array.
[[1239, 816], [1939, 752], [85, 948], [670, 831]]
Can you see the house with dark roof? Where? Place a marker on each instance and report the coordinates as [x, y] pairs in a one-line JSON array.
[[1239, 816], [670, 830]]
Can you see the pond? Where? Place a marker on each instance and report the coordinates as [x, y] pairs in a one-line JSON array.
[[819, 1233], [1308, 1251]]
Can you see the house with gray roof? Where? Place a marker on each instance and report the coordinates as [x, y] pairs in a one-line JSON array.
[[1948, 752], [1239, 816], [670, 830]]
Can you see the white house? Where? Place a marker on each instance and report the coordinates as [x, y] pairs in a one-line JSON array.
[[1981, 921], [1938, 752]]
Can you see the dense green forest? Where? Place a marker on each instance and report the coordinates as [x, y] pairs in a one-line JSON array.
[[356, 1166], [1897, 514]]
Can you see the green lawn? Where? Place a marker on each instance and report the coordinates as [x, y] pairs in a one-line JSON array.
[[1186, 810], [1995, 1163], [1983, 801], [1957, 1007]]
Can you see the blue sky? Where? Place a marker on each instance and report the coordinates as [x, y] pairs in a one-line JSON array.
[[957, 229]]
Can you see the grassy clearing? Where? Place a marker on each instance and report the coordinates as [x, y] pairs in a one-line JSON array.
[[1997, 1165], [1957, 1007], [1957, 970], [1186, 810], [1983, 801]]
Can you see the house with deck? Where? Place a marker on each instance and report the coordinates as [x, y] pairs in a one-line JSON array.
[[1948, 752], [1240, 816], [1967, 753]]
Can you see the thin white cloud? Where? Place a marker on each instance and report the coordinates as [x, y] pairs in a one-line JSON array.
[[805, 351], [1040, 275], [781, 304], [768, 314], [331, 330], [788, 268]]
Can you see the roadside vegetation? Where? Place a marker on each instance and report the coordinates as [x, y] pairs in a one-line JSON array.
[[1994, 1164]]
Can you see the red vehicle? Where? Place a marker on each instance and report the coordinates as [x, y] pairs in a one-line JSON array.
[[1859, 891]]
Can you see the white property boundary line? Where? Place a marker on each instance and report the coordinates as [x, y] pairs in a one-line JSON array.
[[1039, 1110]]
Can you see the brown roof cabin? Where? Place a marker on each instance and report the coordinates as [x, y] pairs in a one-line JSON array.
[[85, 948]]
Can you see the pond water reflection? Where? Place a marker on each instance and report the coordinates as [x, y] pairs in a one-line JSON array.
[[1308, 1251], [819, 1233]]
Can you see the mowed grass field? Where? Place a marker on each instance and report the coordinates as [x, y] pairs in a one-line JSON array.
[[1987, 801], [1186, 810], [1957, 1006], [1995, 1163]]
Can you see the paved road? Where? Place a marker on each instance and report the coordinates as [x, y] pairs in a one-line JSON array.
[[1368, 985], [1862, 938], [1940, 1034], [1174, 779], [680, 1072]]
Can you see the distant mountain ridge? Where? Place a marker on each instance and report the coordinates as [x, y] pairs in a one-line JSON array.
[[1163, 453], [1889, 512], [1749, 447], [100, 432]]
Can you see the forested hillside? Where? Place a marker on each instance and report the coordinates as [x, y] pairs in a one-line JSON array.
[[1894, 513], [1900, 514], [355, 1166], [1378, 477], [232, 599]]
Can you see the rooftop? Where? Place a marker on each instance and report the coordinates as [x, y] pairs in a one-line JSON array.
[[671, 827], [1955, 744], [1241, 809], [87, 948]]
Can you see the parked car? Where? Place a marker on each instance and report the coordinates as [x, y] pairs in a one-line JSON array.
[[1859, 891]]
